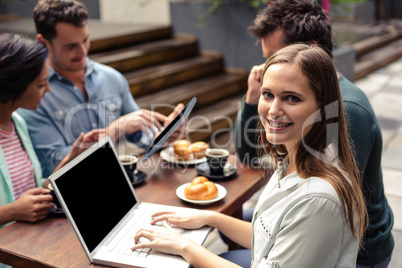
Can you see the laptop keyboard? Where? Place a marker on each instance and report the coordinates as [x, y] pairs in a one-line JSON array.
[[123, 243]]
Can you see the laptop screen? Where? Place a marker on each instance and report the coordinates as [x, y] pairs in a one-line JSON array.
[[97, 194]]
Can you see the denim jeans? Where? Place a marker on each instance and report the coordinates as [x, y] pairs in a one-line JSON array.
[[383, 264]]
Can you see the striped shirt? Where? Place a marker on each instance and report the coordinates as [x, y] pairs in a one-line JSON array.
[[18, 163]]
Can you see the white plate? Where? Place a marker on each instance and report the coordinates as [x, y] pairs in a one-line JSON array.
[[221, 194], [168, 155]]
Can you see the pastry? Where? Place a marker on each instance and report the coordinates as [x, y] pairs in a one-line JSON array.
[[182, 150], [198, 148], [201, 189]]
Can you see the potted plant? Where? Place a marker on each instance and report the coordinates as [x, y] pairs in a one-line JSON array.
[[216, 4]]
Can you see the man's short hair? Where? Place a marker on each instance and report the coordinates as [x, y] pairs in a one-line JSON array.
[[48, 13], [301, 20]]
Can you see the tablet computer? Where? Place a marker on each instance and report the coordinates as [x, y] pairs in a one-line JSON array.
[[160, 140]]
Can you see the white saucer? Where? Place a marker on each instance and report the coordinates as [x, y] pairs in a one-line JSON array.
[[221, 194], [168, 155]]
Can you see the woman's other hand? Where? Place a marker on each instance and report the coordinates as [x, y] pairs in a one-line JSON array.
[[34, 205], [188, 220]]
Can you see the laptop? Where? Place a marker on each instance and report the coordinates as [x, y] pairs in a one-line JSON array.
[[160, 140], [105, 213]]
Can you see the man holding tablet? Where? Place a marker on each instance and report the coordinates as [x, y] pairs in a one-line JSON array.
[[85, 95]]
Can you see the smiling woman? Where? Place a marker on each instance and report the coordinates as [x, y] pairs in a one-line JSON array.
[[300, 100], [314, 195], [286, 103]]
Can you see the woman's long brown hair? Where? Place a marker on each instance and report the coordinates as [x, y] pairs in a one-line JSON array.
[[329, 127]]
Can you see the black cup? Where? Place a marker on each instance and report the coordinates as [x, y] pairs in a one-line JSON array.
[[216, 159], [129, 162], [56, 201]]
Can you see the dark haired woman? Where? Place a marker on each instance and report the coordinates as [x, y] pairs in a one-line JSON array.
[[23, 82]]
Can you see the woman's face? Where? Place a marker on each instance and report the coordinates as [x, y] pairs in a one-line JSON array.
[[286, 102], [35, 90]]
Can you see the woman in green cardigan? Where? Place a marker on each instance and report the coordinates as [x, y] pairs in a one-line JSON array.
[[23, 82]]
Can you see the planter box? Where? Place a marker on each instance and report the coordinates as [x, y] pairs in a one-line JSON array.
[[359, 12], [225, 31], [344, 59]]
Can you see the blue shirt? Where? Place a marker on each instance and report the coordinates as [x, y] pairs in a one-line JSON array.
[[64, 112]]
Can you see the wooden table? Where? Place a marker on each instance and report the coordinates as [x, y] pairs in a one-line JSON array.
[[53, 243]]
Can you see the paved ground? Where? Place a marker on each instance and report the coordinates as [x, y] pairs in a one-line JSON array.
[[384, 89]]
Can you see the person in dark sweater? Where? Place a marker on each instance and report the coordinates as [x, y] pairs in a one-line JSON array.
[[284, 22]]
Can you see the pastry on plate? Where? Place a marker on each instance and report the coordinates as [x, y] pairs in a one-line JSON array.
[[199, 148], [201, 189], [182, 150]]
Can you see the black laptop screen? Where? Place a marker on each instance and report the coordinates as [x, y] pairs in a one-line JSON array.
[[96, 194], [159, 141]]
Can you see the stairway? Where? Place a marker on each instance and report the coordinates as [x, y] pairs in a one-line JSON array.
[[375, 45], [164, 69]]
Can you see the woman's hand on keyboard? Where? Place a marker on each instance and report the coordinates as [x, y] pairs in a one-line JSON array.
[[161, 239], [188, 220]]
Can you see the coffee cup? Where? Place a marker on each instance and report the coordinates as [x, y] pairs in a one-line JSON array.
[[129, 162], [216, 159], [56, 201]]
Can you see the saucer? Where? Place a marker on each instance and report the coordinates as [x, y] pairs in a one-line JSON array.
[[137, 177], [221, 194], [229, 171], [56, 211]]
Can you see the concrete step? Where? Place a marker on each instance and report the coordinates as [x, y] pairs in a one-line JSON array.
[[104, 36], [217, 119], [375, 44], [110, 36], [9, 17], [163, 68], [150, 53], [375, 59], [372, 43], [208, 90], [151, 79]]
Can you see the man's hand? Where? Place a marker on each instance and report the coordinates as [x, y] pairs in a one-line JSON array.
[[140, 120], [181, 131], [254, 84]]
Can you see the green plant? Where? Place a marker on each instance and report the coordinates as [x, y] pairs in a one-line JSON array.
[[216, 4], [343, 1], [255, 4]]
